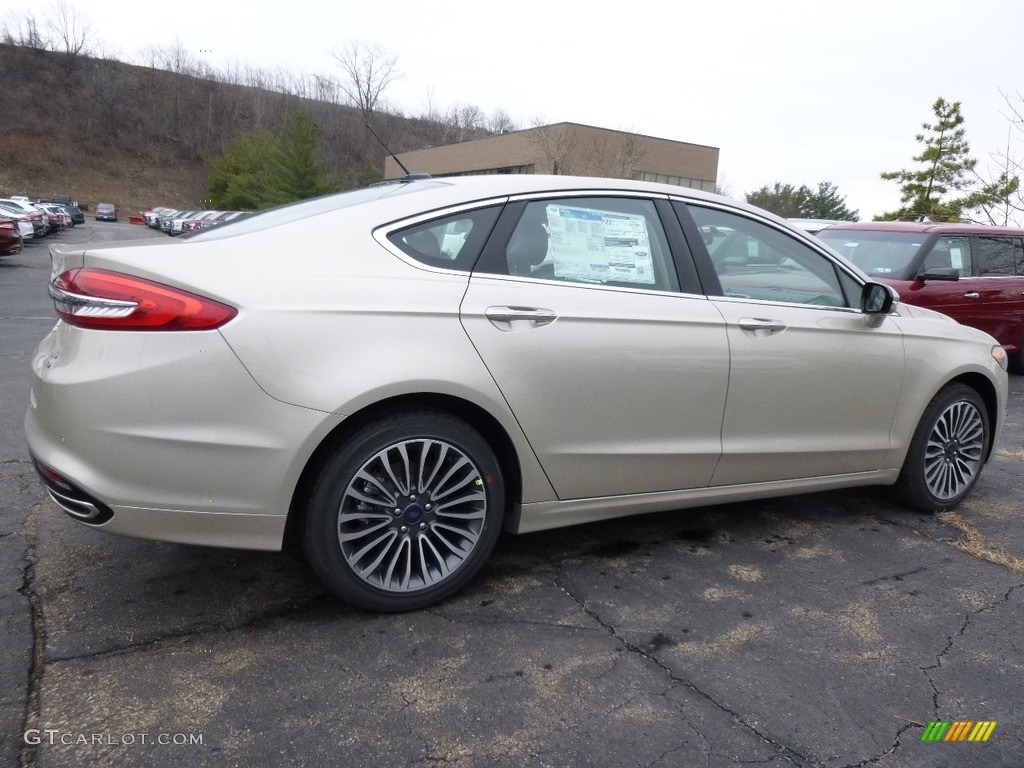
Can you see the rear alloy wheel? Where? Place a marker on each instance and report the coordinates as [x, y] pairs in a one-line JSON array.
[[947, 452], [406, 512]]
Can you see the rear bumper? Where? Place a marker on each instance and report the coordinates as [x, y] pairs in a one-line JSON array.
[[167, 436]]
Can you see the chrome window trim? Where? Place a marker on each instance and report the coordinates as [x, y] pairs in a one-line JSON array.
[[582, 284], [594, 192]]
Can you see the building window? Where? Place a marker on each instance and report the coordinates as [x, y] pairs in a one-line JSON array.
[[510, 169], [678, 181]]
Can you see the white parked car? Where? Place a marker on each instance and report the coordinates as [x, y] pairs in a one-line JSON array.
[[401, 371]]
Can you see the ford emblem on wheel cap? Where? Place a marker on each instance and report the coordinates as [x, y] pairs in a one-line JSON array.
[[413, 513]]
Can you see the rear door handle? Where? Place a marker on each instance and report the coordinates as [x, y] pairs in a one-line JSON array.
[[519, 318], [972, 295]]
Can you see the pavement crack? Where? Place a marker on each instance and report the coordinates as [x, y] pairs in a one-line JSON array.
[[28, 589], [785, 752], [895, 746], [951, 640], [303, 608]]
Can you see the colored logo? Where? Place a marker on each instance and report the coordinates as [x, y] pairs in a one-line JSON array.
[[958, 730]]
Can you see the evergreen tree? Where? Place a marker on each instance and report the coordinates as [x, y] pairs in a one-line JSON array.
[[295, 172], [944, 187], [801, 202], [781, 199], [241, 178], [259, 169], [827, 203]]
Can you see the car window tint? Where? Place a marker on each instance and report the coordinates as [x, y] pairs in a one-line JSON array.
[[756, 261], [598, 241], [995, 256], [950, 252], [453, 242]]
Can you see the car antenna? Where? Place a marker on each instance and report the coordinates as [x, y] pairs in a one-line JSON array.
[[408, 176]]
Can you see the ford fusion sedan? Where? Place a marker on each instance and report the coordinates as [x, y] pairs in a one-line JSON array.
[[464, 355]]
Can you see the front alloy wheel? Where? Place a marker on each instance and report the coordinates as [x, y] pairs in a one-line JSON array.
[[948, 450], [408, 514]]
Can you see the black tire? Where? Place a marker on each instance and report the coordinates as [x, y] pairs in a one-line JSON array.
[[384, 553], [947, 452]]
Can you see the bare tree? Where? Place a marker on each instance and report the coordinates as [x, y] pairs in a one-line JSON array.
[[559, 147], [1008, 168], [574, 150], [368, 71], [24, 31], [72, 32], [500, 121]]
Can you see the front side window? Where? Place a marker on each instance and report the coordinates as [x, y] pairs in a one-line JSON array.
[[878, 253], [599, 241], [950, 252], [755, 261]]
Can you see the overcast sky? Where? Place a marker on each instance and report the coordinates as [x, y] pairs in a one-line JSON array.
[[791, 91]]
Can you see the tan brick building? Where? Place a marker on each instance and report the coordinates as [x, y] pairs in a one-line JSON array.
[[569, 149]]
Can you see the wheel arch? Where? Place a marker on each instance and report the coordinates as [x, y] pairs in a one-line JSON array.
[[475, 416], [987, 391]]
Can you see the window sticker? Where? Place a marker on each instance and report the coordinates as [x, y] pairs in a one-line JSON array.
[[593, 245], [956, 258]]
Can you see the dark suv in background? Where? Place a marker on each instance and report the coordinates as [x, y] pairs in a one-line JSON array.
[[973, 273]]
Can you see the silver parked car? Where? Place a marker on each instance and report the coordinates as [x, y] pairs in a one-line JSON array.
[[467, 354]]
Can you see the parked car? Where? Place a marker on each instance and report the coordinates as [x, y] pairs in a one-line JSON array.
[[106, 212], [812, 225], [10, 238], [165, 222], [75, 214], [152, 216], [65, 200], [23, 219], [40, 226], [584, 349], [973, 273], [56, 216], [178, 224]]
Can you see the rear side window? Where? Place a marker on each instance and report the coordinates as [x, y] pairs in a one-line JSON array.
[[999, 256], [598, 241], [452, 242]]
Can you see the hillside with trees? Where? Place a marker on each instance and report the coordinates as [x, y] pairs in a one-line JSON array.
[[102, 129]]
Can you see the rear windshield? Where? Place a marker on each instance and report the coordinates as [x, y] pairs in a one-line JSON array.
[[880, 254], [286, 214]]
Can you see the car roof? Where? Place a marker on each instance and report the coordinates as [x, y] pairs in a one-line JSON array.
[[941, 227]]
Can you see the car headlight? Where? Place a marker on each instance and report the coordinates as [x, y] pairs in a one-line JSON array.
[[1000, 356]]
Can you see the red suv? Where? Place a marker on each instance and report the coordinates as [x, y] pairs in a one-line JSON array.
[[973, 273]]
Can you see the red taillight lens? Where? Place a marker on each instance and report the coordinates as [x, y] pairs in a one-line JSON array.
[[101, 299]]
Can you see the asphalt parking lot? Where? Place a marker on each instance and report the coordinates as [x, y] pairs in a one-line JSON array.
[[821, 630]]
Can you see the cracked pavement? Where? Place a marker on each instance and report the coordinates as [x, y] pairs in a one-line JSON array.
[[821, 630]]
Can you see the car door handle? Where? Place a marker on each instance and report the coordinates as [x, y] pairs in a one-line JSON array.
[[519, 318], [972, 295], [759, 326]]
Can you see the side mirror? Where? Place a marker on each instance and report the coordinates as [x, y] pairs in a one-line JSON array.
[[877, 299], [939, 273]]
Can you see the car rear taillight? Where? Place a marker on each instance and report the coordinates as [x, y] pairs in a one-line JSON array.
[[102, 299], [8, 224]]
